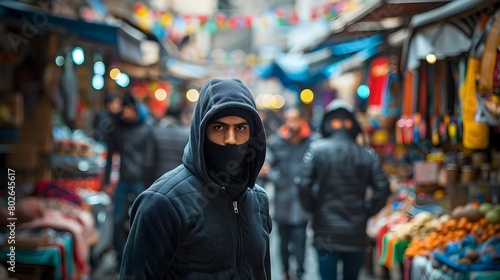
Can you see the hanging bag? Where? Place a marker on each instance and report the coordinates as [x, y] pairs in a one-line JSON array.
[[475, 134]]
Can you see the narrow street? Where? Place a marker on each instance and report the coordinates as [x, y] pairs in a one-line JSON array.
[[311, 262]]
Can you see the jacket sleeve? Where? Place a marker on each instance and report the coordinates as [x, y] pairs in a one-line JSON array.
[[269, 225], [306, 179], [153, 239], [150, 158], [112, 147], [270, 158], [96, 131], [380, 185]]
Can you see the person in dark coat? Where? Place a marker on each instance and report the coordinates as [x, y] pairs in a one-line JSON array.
[[206, 219], [103, 124], [167, 144], [336, 172], [286, 151], [128, 141]]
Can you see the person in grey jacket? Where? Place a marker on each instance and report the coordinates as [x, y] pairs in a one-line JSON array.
[[207, 219], [335, 174], [166, 146], [286, 151]]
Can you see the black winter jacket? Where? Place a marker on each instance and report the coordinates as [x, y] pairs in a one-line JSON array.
[[335, 175], [187, 227], [128, 139]]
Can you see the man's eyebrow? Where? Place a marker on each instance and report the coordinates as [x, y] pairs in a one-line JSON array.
[[236, 124]]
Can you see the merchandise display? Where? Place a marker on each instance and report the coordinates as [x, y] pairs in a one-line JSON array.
[[452, 245]]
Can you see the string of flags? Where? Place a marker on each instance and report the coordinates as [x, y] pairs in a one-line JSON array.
[[168, 24]]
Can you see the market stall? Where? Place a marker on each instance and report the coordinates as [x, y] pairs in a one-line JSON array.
[[48, 98], [449, 147]]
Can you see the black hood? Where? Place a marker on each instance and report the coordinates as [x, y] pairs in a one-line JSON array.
[[338, 107], [216, 95]]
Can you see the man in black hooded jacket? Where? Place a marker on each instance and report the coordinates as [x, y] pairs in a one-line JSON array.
[[207, 219], [335, 174], [127, 139]]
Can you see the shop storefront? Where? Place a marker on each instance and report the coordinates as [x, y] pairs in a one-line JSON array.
[[56, 71]]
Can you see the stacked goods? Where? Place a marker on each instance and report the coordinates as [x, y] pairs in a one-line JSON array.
[[490, 212], [419, 227], [468, 220]]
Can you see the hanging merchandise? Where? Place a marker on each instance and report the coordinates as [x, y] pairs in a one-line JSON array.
[[435, 114], [391, 96], [404, 126], [69, 91], [377, 77], [420, 129], [488, 110], [475, 134]]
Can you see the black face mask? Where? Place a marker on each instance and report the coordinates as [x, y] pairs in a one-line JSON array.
[[227, 160], [351, 132]]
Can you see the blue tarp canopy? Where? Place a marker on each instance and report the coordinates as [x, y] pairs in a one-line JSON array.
[[39, 20], [36, 21], [307, 69]]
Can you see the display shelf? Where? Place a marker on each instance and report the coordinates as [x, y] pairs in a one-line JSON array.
[[74, 166]]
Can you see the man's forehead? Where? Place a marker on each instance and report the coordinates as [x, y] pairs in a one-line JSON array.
[[231, 120]]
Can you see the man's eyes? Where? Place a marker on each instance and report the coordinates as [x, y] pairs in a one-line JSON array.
[[241, 127], [219, 127]]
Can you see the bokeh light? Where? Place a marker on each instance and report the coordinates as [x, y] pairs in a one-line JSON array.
[[78, 56], [363, 91], [60, 60], [431, 58], [279, 102], [123, 80], [192, 95], [161, 94], [99, 68], [98, 82], [307, 96], [113, 73]]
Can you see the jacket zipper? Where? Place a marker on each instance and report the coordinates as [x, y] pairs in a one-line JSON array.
[[235, 206], [238, 230]]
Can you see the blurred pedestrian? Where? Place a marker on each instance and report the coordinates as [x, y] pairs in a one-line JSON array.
[[104, 120], [286, 151], [207, 219], [166, 146], [128, 141], [334, 177]]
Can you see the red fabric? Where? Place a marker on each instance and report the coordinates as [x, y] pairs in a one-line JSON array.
[[62, 251], [55, 190], [408, 93], [380, 238], [377, 76], [56, 220]]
